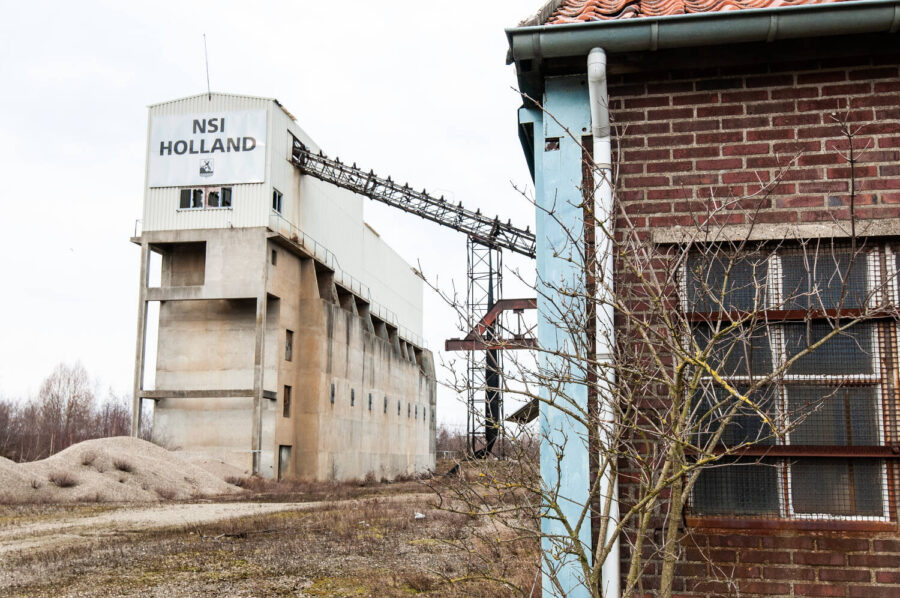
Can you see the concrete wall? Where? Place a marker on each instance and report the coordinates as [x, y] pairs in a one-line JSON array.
[[208, 343], [336, 346]]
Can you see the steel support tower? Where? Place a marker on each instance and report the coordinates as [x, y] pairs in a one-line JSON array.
[[486, 238]]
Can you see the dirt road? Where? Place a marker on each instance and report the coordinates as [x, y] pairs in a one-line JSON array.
[[68, 531]]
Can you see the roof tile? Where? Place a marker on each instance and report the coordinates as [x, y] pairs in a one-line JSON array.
[[581, 11]]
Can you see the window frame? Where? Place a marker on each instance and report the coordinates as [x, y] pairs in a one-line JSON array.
[[885, 334], [224, 195], [277, 201]]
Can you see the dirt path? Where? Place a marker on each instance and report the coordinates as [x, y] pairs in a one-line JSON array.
[[130, 520]]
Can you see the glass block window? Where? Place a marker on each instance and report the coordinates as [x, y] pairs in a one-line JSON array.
[[837, 405]]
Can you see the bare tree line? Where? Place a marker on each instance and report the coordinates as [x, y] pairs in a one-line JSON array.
[[66, 410]]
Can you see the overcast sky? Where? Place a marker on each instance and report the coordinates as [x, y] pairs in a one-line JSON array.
[[416, 90]]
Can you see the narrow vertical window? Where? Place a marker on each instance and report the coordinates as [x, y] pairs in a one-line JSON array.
[[274, 257], [352, 397], [289, 345], [225, 200], [287, 402], [370, 401], [332, 393], [277, 199], [385, 404]]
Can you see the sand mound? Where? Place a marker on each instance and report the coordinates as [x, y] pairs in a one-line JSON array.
[[121, 469]]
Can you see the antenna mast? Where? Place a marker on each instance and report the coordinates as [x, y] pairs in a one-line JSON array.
[[206, 56]]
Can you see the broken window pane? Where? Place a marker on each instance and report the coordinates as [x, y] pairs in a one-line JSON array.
[[197, 198], [185, 201]]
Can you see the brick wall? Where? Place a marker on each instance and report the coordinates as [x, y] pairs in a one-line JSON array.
[[687, 138]]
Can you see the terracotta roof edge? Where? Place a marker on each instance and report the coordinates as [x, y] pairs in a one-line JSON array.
[[543, 14]]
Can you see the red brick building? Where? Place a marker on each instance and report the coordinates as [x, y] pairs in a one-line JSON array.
[[748, 104]]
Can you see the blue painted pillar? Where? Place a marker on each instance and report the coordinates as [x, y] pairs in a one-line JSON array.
[[564, 442]]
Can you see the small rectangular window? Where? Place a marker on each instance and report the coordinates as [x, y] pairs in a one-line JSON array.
[[287, 401], [185, 202], [274, 257], [225, 200], [197, 198], [212, 199], [277, 199], [288, 345]]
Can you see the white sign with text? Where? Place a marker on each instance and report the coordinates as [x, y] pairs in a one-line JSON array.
[[210, 148]]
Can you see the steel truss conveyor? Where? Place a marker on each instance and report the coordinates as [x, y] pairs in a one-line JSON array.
[[482, 229], [486, 237]]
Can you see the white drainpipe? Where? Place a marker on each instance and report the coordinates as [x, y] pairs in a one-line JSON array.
[[603, 208]]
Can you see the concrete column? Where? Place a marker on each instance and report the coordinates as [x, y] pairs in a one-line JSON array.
[[141, 342], [259, 365]]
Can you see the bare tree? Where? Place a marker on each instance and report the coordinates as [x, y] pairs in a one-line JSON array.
[[712, 368]]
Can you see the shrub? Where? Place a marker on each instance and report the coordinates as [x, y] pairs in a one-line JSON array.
[[35, 484], [123, 465], [166, 493], [88, 458], [236, 481], [63, 479]]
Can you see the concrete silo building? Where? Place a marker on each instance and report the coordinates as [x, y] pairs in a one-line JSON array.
[[289, 338]]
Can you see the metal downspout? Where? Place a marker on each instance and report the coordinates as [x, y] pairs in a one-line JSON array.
[[603, 243]]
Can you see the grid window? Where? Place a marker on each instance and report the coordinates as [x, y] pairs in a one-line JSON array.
[[827, 401]]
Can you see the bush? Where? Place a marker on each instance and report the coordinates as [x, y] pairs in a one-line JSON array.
[[123, 465], [63, 479], [88, 458], [166, 493]]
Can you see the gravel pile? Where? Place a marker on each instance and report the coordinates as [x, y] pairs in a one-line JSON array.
[[120, 469]]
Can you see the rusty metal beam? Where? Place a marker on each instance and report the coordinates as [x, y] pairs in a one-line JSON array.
[[462, 344]]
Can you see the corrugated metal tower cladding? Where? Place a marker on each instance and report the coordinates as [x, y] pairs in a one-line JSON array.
[[289, 335]]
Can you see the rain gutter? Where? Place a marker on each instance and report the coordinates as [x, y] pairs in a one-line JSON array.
[[703, 29]]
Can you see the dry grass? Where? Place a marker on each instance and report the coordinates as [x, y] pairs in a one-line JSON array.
[[358, 547], [88, 458], [123, 465], [62, 479]]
